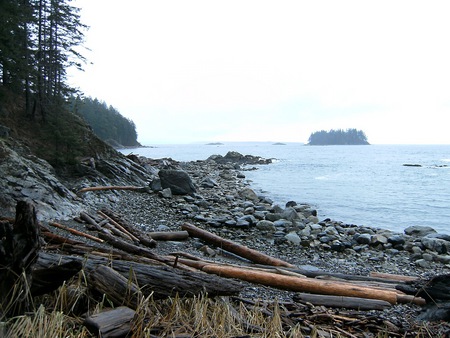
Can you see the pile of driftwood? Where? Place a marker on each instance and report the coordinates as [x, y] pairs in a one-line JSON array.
[[122, 264]]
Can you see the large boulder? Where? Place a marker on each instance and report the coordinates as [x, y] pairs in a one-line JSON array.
[[419, 230], [178, 181]]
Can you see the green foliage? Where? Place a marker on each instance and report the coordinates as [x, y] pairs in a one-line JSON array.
[[338, 137], [106, 122], [38, 42]]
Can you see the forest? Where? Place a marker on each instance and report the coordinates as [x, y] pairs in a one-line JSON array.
[[338, 137], [40, 40], [106, 122], [38, 43]]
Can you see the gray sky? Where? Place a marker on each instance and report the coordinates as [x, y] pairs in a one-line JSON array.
[[202, 71]]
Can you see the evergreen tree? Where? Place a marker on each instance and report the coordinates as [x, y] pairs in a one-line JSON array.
[[38, 40], [106, 121], [338, 137]]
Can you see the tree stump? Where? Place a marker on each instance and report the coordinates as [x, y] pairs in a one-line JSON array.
[[19, 247]]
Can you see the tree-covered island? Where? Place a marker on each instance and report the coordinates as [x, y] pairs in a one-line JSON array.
[[338, 137]]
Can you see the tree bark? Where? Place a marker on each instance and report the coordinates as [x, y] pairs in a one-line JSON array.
[[160, 281], [111, 323], [243, 251], [19, 248]]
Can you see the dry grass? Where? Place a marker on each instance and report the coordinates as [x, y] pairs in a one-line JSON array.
[[61, 314]]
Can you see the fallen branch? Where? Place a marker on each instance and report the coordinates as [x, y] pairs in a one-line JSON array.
[[142, 237], [310, 285], [118, 226], [243, 251], [76, 232]]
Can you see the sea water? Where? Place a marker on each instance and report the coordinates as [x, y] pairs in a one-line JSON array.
[[383, 186]]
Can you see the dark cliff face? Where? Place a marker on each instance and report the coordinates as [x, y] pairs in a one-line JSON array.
[[46, 161]]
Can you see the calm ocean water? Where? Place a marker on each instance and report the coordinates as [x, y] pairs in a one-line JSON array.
[[363, 185]]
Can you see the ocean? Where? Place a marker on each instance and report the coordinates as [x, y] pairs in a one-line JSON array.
[[362, 185]]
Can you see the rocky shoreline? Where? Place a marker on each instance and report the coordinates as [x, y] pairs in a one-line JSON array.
[[214, 194], [223, 201]]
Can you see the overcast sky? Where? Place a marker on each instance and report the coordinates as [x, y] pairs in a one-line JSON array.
[[204, 71]]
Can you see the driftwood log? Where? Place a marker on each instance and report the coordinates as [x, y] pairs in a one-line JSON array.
[[75, 232], [19, 248], [311, 285], [137, 235], [111, 323], [159, 281], [342, 302], [243, 251]]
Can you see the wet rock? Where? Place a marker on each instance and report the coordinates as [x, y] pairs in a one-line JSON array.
[[363, 238], [248, 194], [178, 181], [292, 237], [436, 244], [419, 231], [396, 240], [266, 226]]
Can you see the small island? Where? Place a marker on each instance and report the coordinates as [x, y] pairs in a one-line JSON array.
[[338, 137]]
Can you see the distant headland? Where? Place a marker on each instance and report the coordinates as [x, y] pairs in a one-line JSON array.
[[338, 137]]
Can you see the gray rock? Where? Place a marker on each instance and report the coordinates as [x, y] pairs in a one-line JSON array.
[[208, 182], [436, 244], [378, 239], [331, 230], [178, 181], [292, 237], [266, 226], [166, 193], [249, 194], [290, 214], [337, 246], [445, 259], [273, 217], [419, 231], [428, 257], [423, 263], [396, 240], [445, 237], [250, 219], [155, 184], [363, 238]]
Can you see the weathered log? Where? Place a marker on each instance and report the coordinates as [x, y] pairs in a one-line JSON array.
[[313, 272], [120, 290], [49, 279], [113, 187], [118, 232], [140, 235], [169, 235], [159, 281], [119, 226], [75, 232], [19, 248], [307, 284], [243, 251], [342, 302], [393, 277], [128, 247], [111, 323]]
